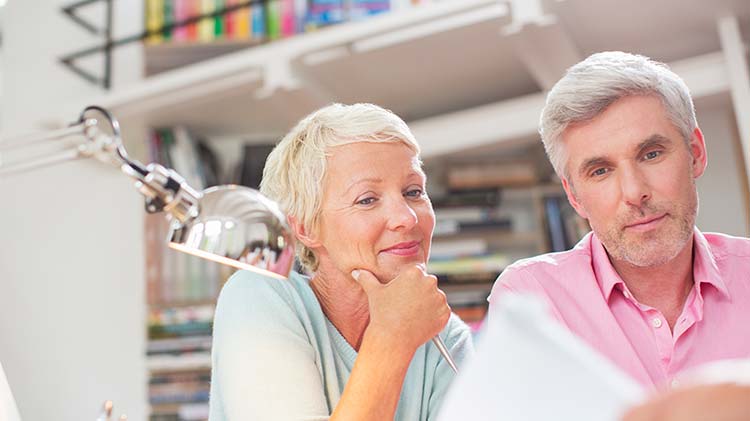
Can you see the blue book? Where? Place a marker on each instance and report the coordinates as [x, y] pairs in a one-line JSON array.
[[326, 12], [258, 17], [362, 9], [555, 224]]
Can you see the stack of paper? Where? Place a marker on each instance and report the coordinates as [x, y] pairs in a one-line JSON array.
[[528, 367]]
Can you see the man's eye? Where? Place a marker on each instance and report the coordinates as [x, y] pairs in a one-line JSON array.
[[599, 172], [652, 154]]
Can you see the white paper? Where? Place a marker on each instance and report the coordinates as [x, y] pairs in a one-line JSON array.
[[8, 410], [529, 367]]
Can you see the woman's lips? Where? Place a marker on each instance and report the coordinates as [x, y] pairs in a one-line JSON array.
[[408, 248]]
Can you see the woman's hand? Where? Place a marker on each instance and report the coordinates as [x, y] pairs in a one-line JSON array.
[[410, 308]]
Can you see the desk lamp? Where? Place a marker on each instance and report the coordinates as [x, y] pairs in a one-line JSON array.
[[233, 225]]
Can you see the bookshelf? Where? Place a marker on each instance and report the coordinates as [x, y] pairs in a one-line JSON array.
[[490, 212]]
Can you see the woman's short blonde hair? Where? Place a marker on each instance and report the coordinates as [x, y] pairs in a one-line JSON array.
[[294, 171]]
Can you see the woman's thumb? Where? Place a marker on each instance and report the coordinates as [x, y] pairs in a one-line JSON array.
[[366, 279]]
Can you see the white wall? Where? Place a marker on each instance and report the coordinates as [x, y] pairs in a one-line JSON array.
[[72, 305], [723, 205]]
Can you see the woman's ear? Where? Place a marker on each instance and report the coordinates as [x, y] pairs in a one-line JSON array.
[[303, 235]]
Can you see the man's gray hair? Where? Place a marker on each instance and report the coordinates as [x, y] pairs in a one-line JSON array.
[[592, 85]]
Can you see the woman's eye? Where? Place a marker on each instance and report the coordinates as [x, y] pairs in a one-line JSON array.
[[366, 201], [414, 193], [652, 155]]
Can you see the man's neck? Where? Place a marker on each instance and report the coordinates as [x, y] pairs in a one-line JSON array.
[[664, 287]]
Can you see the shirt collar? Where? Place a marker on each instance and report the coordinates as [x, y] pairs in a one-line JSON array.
[[705, 269], [605, 273]]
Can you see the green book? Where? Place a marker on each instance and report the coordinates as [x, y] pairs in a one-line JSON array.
[[219, 19], [273, 19], [168, 18]]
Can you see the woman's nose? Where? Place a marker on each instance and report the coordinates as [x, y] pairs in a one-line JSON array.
[[401, 215]]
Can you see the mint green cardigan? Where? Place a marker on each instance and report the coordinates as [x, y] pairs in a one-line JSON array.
[[277, 357]]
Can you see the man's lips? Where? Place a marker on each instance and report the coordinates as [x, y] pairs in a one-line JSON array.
[[646, 223], [406, 248]]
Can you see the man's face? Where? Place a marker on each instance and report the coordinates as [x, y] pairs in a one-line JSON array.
[[631, 174]]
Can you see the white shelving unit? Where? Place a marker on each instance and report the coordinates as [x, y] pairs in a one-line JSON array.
[[464, 73]]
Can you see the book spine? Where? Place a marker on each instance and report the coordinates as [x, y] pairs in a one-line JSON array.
[[181, 13], [287, 18], [273, 19], [230, 29], [219, 30], [168, 19], [154, 20], [206, 24], [241, 22], [258, 24]]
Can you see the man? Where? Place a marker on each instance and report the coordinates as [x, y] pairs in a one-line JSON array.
[[646, 288]]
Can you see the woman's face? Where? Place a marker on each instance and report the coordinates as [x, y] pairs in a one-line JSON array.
[[375, 213]]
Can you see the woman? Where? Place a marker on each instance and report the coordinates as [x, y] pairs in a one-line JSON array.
[[351, 342]]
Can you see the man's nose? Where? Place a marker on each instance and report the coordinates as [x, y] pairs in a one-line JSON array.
[[634, 186]]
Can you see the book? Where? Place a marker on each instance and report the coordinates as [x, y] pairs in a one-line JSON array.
[[182, 11], [206, 24], [492, 175], [453, 248], [287, 18], [487, 197], [273, 19], [238, 22], [218, 20], [258, 24], [555, 225], [326, 12], [252, 164], [168, 15], [363, 9], [154, 20], [495, 262], [467, 295]]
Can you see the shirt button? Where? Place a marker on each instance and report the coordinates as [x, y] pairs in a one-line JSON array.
[[656, 322]]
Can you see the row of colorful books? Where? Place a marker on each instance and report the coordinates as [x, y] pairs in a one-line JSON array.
[[178, 357], [257, 20]]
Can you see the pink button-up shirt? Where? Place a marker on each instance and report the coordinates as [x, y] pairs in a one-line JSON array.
[[586, 294]]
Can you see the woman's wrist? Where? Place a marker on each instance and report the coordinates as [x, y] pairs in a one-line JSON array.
[[389, 341]]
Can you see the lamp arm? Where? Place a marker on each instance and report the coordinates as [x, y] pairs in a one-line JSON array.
[[101, 138]]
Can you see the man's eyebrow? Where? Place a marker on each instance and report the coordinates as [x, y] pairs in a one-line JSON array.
[[592, 162], [653, 140]]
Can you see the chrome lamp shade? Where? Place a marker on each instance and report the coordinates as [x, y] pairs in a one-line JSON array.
[[239, 227]]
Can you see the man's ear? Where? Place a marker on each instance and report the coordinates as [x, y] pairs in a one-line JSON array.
[[698, 152], [572, 199], [303, 235]]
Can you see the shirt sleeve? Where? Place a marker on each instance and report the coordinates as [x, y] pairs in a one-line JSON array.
[[264, 366], [517, 280], [458, 340]]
